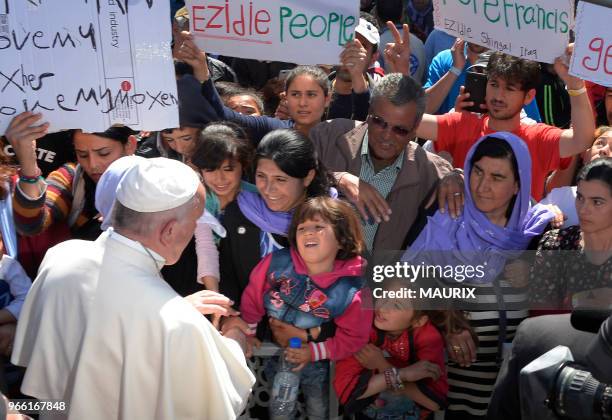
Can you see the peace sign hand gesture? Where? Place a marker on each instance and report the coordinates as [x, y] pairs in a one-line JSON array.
[[397, 54]]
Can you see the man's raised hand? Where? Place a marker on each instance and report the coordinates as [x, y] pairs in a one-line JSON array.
[[397, 53]]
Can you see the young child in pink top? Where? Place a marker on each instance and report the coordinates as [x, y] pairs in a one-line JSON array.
[[317, 280]]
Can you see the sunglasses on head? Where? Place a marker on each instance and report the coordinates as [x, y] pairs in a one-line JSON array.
[[382, 124]]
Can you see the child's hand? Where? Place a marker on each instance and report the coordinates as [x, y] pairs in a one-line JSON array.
[[282, 332], [420, 370], [252, 342], [300, 356], [372, 358]]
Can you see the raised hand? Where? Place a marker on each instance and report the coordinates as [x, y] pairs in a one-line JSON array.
[[191, 54], [22, 135], [397, 53], [561, 66], [458, 53]]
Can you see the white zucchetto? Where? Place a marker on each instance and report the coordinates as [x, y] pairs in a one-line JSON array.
[[156, 185]]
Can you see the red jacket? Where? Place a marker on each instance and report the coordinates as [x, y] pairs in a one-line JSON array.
[[352, 327], [352, 379]]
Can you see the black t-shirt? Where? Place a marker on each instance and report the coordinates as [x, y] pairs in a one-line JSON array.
[[52, 151], [239, 252], [182, 276]]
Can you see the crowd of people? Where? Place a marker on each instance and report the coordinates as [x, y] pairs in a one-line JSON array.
[[142, 270]]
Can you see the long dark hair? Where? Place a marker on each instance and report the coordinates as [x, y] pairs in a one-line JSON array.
[[119, 134], [220, 141], [599, 169], [295, 155], [317, 74]]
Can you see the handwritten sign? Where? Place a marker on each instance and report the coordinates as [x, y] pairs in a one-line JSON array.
[[592, 57], [532, 29], [87, 64], [295, 31]]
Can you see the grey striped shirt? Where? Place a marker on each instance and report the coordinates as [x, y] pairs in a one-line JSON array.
[[383, 182]]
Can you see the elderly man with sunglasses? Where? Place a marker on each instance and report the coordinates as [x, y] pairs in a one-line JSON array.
[[379, 168]]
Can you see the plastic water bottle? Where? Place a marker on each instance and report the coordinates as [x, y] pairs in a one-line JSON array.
[[286, 385]]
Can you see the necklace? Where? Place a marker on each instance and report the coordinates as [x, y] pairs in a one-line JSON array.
[[153, 258]]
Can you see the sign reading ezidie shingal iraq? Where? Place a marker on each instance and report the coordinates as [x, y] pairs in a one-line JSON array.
[[533, 29]]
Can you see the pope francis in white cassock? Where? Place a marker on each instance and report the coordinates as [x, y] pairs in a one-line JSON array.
[[102, 331]]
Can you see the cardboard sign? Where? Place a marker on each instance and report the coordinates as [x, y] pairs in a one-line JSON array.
[[592, 58], [294, 31], [88, 64], [533, 29]]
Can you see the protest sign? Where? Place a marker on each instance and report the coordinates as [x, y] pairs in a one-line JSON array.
[[88, 64], [294, 31], [532, 29], [592, 58]]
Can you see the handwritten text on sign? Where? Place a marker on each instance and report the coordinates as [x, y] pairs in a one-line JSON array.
[[533, 29], [295, 31], [86, 64], [592, 58]]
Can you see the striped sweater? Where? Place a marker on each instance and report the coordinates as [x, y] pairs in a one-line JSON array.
[[34, 216]]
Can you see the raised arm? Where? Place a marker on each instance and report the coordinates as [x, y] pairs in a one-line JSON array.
[[580, 137], [437, 93], [258, 126], [428, 128]]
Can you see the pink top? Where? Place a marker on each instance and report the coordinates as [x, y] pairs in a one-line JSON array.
[[208, 254], [352, 327]]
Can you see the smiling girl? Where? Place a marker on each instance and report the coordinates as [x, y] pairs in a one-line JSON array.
[[315, 281], [287, 172], [223, 157], [306, 91]]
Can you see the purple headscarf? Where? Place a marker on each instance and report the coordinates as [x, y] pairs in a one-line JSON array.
[[254, 208], [472, 239]]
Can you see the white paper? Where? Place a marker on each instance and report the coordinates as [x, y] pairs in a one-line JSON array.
[[592, 57], [88, 64], [533, 29], [294, 31]]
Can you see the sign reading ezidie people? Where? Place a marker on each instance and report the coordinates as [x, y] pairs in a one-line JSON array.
[[294, 31], [533, 29], [88, 64]]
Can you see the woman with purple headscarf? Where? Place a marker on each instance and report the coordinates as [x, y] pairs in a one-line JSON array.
[[287, 172], [497, 224]]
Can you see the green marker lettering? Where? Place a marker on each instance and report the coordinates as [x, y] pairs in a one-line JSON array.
[[294, 24], [349, 21], [506, 6], [517, 8], [312, 32], [554, 26], [490, 3], [541, 18], [333, 17], [564, 24], [285, 12], [529, 9]]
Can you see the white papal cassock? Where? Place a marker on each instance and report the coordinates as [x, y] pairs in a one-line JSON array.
[[101, 330]]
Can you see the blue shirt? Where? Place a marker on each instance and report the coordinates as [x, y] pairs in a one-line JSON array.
[[441, 64], [436, 42]]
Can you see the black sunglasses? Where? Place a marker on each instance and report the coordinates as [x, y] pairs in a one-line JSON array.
[[382, 124]]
